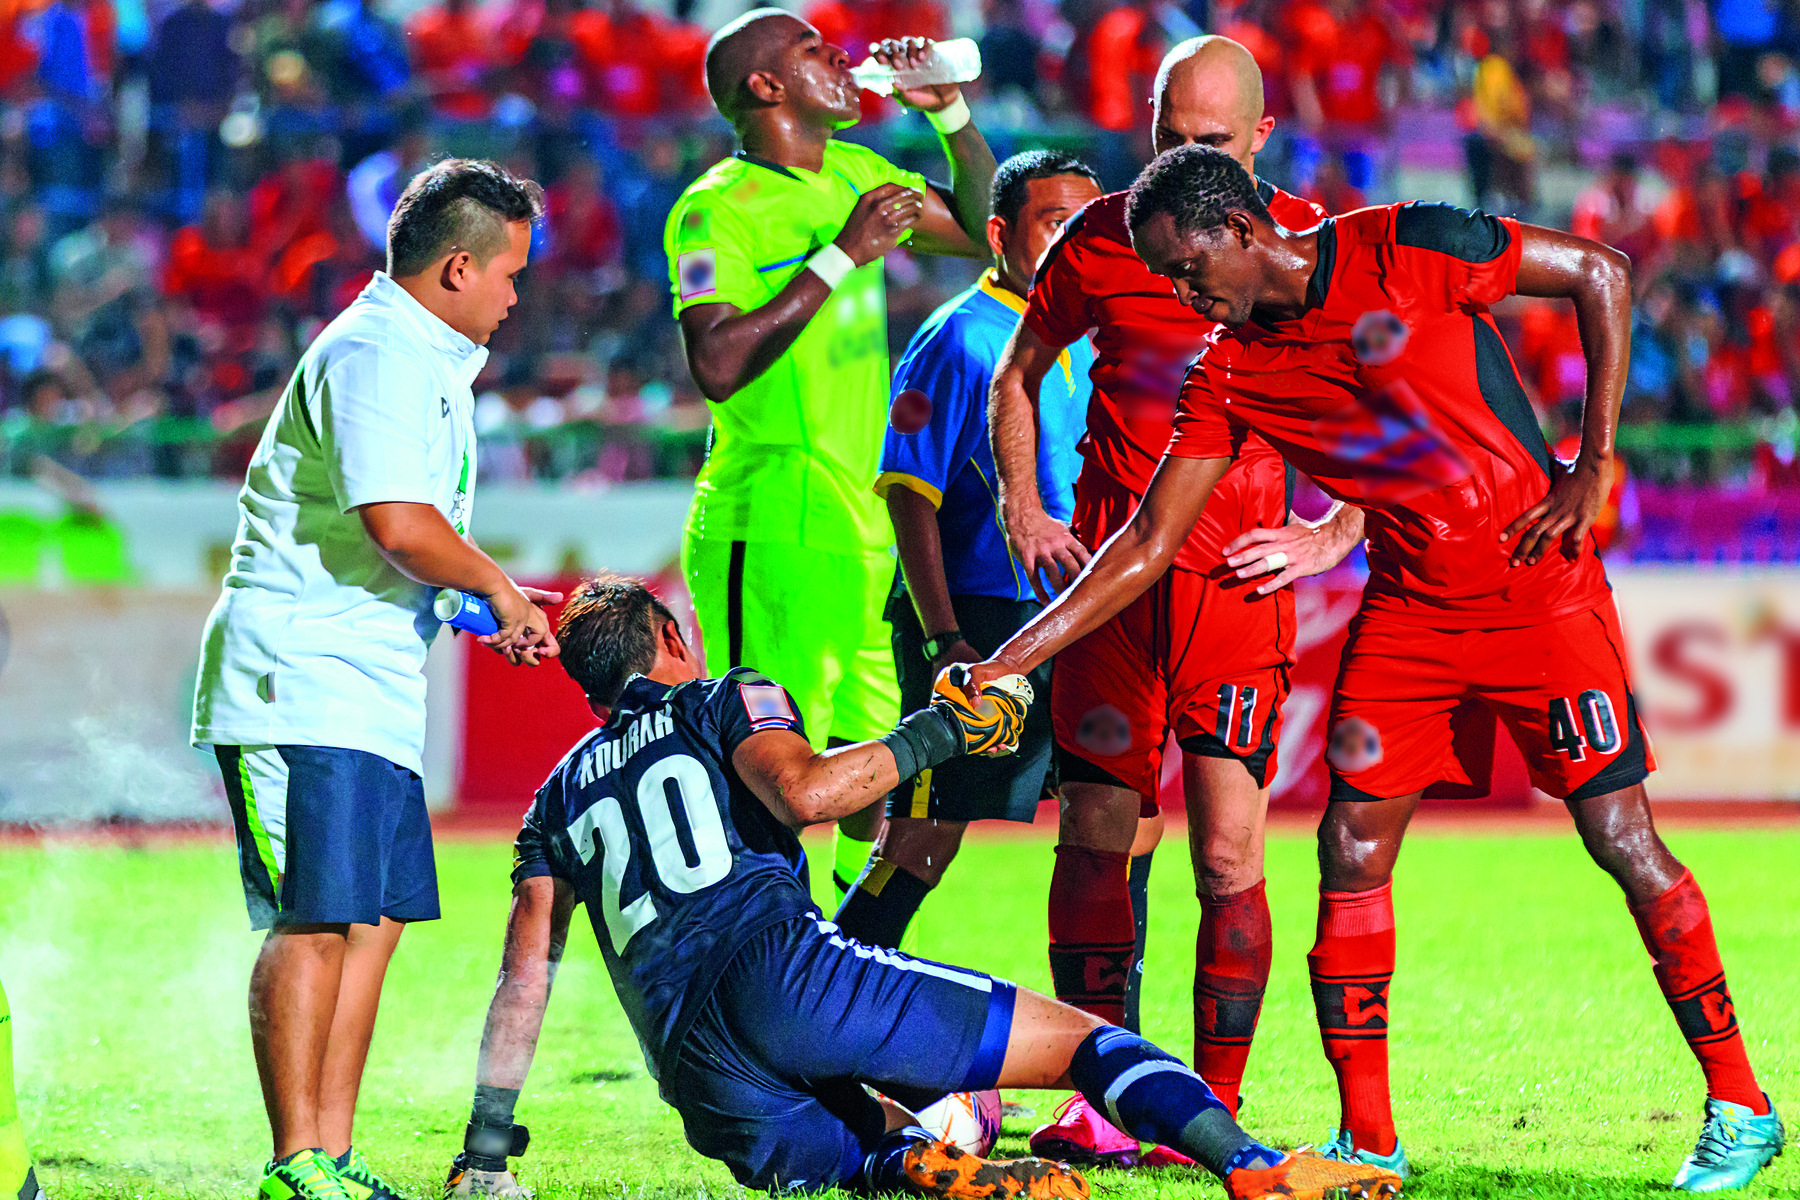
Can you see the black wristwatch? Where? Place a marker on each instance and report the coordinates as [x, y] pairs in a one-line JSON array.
[[943, 641]]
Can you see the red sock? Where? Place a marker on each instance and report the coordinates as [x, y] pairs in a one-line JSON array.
[[1351, 964], [1678, 932], [1092, 937], [1231, 969]]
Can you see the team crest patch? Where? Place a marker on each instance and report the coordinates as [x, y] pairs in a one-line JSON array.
[[1104, 732], [697, 272], [768, 706], [1378, 338], [1355, 746]]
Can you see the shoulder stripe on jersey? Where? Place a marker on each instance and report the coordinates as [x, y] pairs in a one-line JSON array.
[[1289, 482], [767, 165], [1265, 191], [1319, 286], [1064, 236], [1472, 236], [1505, 395]]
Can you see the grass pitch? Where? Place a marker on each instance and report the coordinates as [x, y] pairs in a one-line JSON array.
[[1532, 1054]]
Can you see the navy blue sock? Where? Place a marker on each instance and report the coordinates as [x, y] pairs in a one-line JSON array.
[[884, 1170], [1154, 1097], [1138, 884]]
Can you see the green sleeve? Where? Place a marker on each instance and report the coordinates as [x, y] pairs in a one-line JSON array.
[[867, 169], [710, 254]]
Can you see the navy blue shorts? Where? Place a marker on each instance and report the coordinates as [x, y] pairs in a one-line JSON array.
[[768, 1079], [329, 836]]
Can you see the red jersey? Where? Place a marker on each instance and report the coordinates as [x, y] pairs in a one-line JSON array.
[[1395, 392], [1144, 338]]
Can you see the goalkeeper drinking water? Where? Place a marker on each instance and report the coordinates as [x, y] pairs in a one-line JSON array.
[[676, 823], [312, 690], [777, 261]]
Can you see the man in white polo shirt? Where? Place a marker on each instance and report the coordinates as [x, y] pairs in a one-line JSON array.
[[312, 691]]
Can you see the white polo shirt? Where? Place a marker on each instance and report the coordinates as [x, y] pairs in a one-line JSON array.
[[317, 640]]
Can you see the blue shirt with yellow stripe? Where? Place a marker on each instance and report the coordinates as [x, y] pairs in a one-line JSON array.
[[950, 462]]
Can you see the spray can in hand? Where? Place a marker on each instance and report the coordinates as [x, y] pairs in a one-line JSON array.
[[460, 610]]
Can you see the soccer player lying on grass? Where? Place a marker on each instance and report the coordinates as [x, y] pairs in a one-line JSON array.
[[1362, 349], [676, 823]]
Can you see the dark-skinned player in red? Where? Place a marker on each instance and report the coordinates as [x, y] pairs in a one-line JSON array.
[[1363, 350], [1205, 654]]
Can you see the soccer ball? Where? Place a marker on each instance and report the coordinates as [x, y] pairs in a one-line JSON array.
[[969, 1121]]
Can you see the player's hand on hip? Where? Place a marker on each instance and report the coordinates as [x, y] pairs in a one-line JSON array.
[[881, 216], [907, 54], [524, 636], [1575, 499], [990, 714], [1047, 550], [1284, 553]]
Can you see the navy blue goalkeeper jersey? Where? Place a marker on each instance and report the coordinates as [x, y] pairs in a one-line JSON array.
[[677, 860]]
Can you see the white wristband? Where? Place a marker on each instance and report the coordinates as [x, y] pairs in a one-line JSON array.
[[948, 120], [831, 264]]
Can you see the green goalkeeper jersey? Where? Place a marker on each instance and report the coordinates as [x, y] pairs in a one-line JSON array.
[[794, 453]]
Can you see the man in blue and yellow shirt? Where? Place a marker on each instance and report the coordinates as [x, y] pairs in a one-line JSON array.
[[961, 593]]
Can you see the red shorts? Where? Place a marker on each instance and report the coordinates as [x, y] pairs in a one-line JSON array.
[[1191, 656], [1415, 707]]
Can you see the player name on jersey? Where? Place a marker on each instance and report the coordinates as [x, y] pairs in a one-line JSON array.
[[608, 756]]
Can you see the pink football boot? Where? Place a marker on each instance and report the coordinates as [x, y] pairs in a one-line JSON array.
[[1082, 1136]]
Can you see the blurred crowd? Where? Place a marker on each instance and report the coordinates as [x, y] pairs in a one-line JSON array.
[[188, 192]]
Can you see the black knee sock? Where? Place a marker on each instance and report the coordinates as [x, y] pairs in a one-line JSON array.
[[1138, 883], [881, 905]]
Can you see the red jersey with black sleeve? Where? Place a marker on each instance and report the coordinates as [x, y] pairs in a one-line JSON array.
[[1396, 393], [1144, 338]]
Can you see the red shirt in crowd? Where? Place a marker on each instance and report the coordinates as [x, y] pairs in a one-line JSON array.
[[1144, 339], [1395, 392], [1123, 55], [1344, 59], [454, 49]]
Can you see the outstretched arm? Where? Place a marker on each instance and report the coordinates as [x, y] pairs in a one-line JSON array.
[[1297, 549], [1043, 545], [1598, 279], [1121, 570], [802, 788], [728, 347]]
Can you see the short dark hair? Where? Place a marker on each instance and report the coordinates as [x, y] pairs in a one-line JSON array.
[[458, 204], [608, 632], [1199, 186], [1013, 178]]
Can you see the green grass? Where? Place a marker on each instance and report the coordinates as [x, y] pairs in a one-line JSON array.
[[1532, 1055]]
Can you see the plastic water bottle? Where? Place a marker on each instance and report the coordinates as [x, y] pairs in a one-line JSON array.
[[459, 610], [955, 61]]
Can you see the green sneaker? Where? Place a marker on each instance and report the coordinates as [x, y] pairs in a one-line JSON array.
[[1734, 1145], [359, 1179], [1341, 1149], [308, 1175]]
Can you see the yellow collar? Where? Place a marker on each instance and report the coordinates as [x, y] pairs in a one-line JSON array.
[[990, 283]]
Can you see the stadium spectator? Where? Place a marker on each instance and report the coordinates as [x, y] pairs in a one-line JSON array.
[[454, 53], [1343, 53]]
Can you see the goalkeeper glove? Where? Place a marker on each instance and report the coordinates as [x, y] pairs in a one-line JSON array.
[[994, 724]]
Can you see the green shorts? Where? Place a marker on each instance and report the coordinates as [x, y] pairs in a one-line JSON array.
[[808, 619]]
